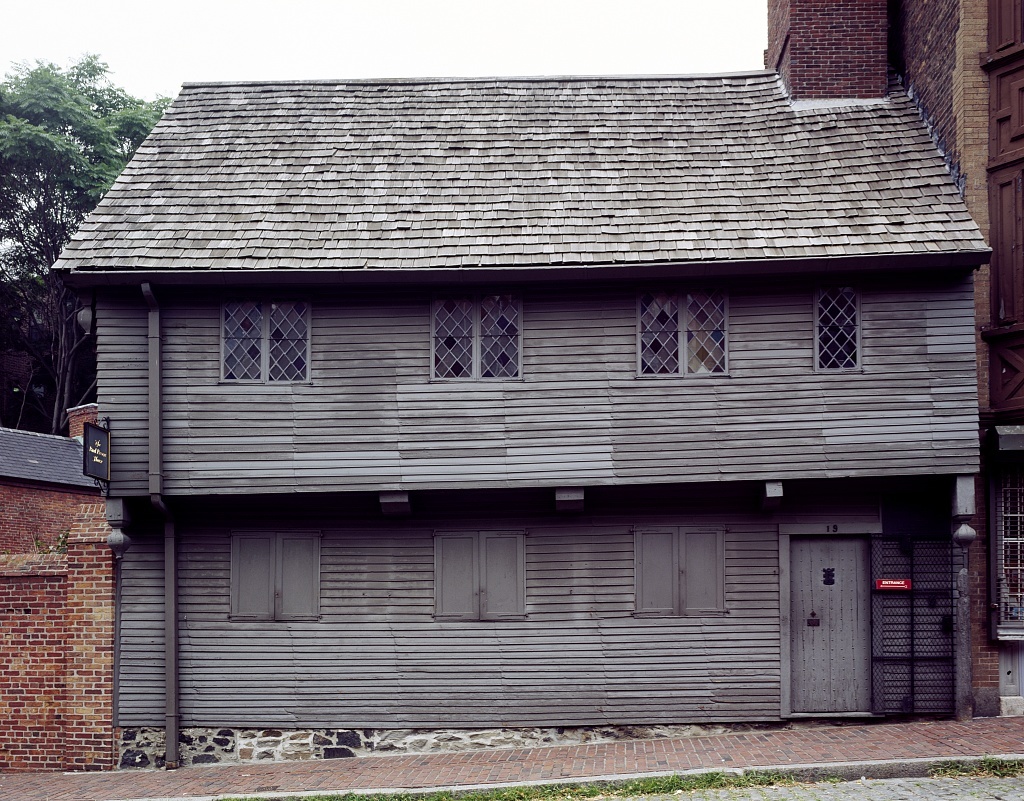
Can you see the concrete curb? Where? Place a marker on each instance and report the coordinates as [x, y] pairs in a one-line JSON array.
[[917, 768]]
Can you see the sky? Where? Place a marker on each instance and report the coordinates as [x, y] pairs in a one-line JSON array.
[[152, 48]]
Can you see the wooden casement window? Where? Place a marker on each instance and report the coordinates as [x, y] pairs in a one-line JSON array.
[[275, 575], [480, 575], [837, 329], [1009, 551], [682, 333], [265, 342], [679, 571], [476, 338]]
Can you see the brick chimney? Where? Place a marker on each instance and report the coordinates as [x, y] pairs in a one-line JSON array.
[[79, 416], [828, 48]]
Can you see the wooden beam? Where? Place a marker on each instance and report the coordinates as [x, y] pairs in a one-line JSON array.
[[569, 499], [771, 497], [395, 504]]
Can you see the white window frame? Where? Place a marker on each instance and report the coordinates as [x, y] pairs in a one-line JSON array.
[[679, 607], [1009, 626], [479, 578], [817, 331], [476, 367], [682, 299], [265, 344], [278, 589]]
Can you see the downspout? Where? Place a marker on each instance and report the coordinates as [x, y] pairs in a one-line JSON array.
[[156, 480]]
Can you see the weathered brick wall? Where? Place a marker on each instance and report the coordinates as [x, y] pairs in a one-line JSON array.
[[923, 51], [89, 616], [32, 661], [56, 653], [828, 48], [31, 512]]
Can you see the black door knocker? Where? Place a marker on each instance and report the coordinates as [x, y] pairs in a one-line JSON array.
[[828, 576]]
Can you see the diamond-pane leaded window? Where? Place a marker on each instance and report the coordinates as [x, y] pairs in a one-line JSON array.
[[705, 332], [266, 341], [288, 336], [499, 337], [243, 341], [683, 333], [1011, 550], [659, 334], [838, 329], [453, 339], [477, 338]]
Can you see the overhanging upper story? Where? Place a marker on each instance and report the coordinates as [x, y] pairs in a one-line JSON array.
[[537, 282]]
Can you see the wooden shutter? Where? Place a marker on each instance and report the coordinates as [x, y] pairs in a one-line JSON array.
[[702, 559], [298, 577], [252, 576], [502, 575], [657, 571], [456, 577]]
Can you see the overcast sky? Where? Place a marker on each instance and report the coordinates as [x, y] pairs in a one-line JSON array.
[[153, 47]]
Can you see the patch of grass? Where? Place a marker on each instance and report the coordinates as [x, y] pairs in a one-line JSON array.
[[656, 785], [988, 767]]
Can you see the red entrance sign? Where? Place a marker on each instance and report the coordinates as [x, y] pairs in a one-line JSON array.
[[892, 584]]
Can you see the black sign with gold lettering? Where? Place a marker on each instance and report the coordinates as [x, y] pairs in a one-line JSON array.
[[96, 454]]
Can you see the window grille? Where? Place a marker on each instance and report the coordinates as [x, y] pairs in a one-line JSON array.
[[705, 332], [265, 342], [499, 337], [1010, 554], [243, 339], [838, 329], [477, 338], [659, 334], [664, 317], [288, 337]]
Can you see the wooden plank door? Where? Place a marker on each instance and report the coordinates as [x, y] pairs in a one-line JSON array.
[[830, 625]]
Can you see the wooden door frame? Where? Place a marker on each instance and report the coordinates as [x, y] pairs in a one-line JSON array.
[[823, 528]]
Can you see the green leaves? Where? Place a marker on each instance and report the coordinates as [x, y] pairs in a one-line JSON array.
[[65, 135]]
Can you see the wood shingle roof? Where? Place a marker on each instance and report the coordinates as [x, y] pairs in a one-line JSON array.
[[502, 173]]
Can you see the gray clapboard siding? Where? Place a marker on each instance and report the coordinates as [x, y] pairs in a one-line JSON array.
[[141, 690], [122, 388], [371, 417], [377, 658]]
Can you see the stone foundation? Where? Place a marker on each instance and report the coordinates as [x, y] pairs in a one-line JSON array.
[[145, 747]]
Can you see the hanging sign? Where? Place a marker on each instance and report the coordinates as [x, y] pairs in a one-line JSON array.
[[96, 453], [892, 584]]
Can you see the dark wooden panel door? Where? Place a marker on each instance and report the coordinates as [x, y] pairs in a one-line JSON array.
[[831, 625]]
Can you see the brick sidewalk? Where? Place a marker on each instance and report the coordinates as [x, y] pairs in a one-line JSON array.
[[805, 745]]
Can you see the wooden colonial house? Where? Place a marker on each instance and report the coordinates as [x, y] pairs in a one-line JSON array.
[[534, 402]]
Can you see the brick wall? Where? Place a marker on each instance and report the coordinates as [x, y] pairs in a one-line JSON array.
[[828, 48], [36, 511], [56, 653], [32, 666], [79, 416]]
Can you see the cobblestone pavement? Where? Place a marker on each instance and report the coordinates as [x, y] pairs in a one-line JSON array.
[[869, 790], [880, 750]]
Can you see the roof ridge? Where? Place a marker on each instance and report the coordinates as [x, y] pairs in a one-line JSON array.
[[487, 79], [38, 434]]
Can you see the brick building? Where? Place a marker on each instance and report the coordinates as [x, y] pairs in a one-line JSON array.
[[972, 106], [41, 485]]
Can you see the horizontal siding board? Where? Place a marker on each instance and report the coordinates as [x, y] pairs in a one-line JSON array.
[[370, 417], [376, 657]]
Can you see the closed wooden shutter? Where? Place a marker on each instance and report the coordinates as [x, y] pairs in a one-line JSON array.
[[298, 576], [503, 588], [656, 572], [703, 568], [252, 576], [456, 579]]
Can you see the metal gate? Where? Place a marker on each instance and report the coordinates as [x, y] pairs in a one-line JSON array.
[[912, 630]]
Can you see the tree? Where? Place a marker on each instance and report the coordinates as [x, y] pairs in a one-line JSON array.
[[65, 135]]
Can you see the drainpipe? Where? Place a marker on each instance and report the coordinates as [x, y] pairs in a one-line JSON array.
[[156, 479]]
